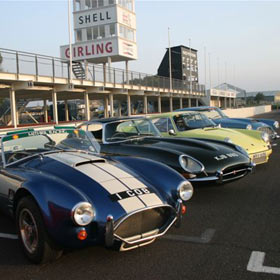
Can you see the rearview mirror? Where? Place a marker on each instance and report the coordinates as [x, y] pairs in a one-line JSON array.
[[171, 132]]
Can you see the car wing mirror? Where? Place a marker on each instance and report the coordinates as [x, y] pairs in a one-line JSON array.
[[171, 132]]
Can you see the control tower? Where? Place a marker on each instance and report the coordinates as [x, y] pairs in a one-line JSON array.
[[104, 30]]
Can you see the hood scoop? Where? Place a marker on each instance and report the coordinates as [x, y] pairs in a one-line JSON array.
[[76, 159], [101, 160]]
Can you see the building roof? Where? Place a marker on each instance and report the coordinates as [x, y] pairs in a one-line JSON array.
[[182, 46]]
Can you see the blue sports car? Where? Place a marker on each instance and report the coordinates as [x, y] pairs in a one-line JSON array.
[[64, 197], [217, 115]]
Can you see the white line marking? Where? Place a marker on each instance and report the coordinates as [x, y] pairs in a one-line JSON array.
[[256, 264], [205, 237], [8, 236]]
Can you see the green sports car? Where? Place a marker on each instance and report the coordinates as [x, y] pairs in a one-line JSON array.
[[196, 125]]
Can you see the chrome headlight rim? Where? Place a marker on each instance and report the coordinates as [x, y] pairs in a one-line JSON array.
[[249, 127], [193, 159], [185, 190], [276, 124], [79, 206], [265, 137]]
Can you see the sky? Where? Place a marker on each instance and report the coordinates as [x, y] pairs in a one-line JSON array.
[[239, 39]]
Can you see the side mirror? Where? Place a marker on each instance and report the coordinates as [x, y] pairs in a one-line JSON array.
[[171, 132]]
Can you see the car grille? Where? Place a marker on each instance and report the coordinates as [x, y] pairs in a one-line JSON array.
[[233, 173], [268, 130], [145, 223], [259, 158]]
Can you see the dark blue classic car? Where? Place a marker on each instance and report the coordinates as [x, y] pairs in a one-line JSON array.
[[217, 115], [63, 197]]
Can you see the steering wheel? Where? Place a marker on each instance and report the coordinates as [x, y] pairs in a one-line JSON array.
[[119, 135], [15, 155]]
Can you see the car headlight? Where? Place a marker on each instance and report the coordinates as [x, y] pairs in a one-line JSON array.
[[241, 150], [83, 213], [190, 164], [249, 126], [265, 137], [276, 124], [185, 190], [227, 139]]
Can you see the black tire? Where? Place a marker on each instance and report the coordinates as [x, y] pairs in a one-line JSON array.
[[36, 244]]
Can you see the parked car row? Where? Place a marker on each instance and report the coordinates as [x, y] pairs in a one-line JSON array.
[[120, 182]]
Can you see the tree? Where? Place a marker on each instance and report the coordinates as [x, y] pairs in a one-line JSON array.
[[259, 97]]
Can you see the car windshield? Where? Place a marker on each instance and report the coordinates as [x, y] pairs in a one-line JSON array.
[[191, 121], [16, 146], [214, 113], [120, 131]]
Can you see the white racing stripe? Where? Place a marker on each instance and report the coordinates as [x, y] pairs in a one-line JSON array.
[[132, 183], [111, 178], [150, 199]]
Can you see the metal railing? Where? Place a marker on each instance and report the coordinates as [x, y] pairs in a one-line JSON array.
[[18, 62]]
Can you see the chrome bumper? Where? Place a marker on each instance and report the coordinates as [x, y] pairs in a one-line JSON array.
[[141, 239], [220, 177]]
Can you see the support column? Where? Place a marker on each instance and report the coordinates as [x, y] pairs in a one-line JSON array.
[[45, 111], [229, 101], [181, 102], [104, 73], [126, 72], [128, 105], [54, 101], [109, 60], [171, 103], [145, 104], [86, 69], [87, 109], [196, 102], [225, 100], [66, 110], [159, 104], [120, 108], [13, 108], [111, 98], [106, 104], [190, 102], [234, 102]]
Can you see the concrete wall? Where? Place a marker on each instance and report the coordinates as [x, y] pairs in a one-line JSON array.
[[247, 112]]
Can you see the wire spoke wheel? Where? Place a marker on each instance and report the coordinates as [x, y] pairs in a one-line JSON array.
[[28, 230]]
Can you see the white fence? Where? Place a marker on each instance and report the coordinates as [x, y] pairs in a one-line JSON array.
[[247, 111]]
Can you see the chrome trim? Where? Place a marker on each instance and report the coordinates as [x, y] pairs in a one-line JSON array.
[[198, 162], [179, 213], [149, 237], [179, 187], [220, 176], [109, 231], [89, 135], [124, 120], [126, 240], [141, 210], [78, 205], [122, 248]]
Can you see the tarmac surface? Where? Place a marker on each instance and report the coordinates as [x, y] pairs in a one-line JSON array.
[[229, 232]]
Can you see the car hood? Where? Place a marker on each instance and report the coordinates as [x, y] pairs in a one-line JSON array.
[[237, 123], [255, 123], [243, 138], [102, 182], [209, 153]]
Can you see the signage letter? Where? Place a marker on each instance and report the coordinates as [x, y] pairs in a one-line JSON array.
[[108, 47]]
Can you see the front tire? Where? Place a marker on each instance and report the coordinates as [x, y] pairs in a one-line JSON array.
[[36, 244]]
